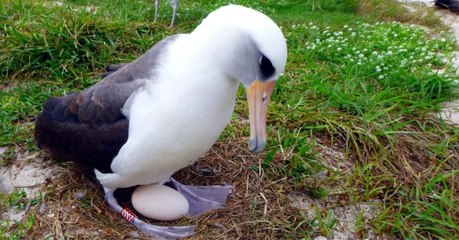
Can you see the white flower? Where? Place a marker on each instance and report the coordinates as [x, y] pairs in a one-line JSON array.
[[311, 46]]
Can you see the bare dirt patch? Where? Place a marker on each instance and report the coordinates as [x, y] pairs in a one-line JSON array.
[[28, 173], [450, 111]]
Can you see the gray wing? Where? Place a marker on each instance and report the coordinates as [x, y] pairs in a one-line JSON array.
[[102, 103]]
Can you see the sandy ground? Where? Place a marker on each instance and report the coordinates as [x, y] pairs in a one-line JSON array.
[[29, 173], [450, 111]]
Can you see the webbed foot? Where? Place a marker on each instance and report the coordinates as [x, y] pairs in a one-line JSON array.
[[148, 229], [202, 198], [161, 231]]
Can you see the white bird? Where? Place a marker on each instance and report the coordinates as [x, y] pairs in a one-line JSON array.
[[174, 5], [150, 118]]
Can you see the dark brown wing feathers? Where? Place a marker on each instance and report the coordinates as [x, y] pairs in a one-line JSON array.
[[89, 127], [62, 135]]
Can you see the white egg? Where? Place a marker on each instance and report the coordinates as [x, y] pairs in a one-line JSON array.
[[159, 202]]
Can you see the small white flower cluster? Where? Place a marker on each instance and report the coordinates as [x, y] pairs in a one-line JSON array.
[[259, 6], [378, 49]]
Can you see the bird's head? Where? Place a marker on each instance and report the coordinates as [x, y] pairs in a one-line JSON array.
[[260, 50]]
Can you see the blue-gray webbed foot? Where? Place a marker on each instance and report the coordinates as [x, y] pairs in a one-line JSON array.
[[148, 229], [202, 198]]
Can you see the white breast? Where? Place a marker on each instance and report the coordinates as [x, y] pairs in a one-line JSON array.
[[172, 123]]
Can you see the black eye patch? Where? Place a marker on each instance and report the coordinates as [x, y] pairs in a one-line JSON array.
[[266, 67]]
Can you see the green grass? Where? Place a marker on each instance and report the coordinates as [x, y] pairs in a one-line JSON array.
[[365, 86], [19, 201]]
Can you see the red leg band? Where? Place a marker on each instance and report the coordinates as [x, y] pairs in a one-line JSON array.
[[128, 214]]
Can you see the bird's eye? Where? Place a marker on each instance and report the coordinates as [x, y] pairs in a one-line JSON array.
[[266, 67]]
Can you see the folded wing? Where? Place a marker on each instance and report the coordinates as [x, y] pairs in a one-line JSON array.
[[89, 127]]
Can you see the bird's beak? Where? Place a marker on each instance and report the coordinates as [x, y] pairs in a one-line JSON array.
[[258, 94]]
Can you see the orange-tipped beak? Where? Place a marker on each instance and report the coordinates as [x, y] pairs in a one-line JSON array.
[[258, 94]]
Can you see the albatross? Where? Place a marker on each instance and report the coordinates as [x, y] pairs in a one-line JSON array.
[[174, 5], [147, 119]]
